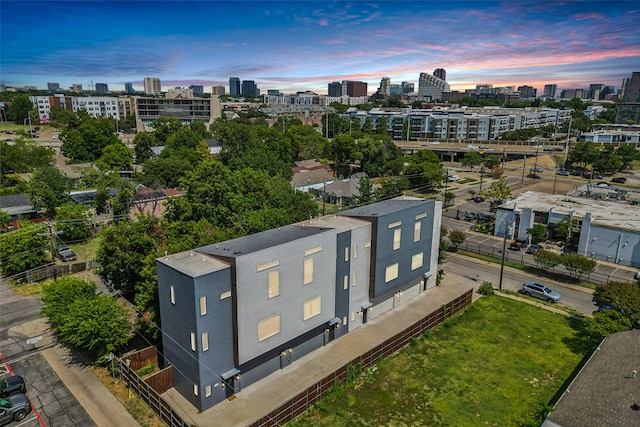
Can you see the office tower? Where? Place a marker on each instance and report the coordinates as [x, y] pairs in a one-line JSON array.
[[152, 86], [76, 87], [234, 86], [527, 92], [631, 88], [198, 90], [102, 88], [128, 87], [249, 88], [607, 92], [217, 90], [334, 89], [53, 87], [385, 86], [431, 86], [595, 90], [356, 88], [407, 87], [440, 73], [550, 91]]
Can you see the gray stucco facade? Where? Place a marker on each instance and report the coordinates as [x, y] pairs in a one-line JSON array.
[[236, 311]]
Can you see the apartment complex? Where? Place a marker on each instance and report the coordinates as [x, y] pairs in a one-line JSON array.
[[96, 106], [152, 86], [236, 311], [184, 109], [431, 87]]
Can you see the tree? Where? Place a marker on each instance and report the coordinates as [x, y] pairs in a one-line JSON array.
[[546, 260], [381, 125], [165, 127], [142, 143], [425, 169], [471, 159], [24, 249], [457, 238], [392, 187], [498, 190], [48, 189], [115, 157], [565, 230], [538, 232], [578, 265], [620, 296], [606, 322], [491, 162], [365, 190], [343, 151], [86, 142], [627, 154], [57, 295], [72, 219], [23, 156], [443, 246], [19, 109], [447, 197], [367, 126], [165, 172]]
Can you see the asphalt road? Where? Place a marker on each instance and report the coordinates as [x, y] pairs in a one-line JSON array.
[[512, 280], [23, 334]]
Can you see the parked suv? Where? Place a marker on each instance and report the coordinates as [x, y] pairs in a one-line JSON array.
[[11, 385], [14, 408], [619, 179], [539, 290], [64, 253]]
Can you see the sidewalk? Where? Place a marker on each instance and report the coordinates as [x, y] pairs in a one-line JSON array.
[[262, 397], [93, 396]]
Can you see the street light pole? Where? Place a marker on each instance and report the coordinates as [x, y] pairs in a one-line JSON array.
[[504, 249], [524, 164]]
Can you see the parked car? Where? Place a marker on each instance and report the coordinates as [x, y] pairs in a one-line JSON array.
[[564, 173], [533, 249], [478, 199], [12, 385], [518, 244], [484, 147], [540, 170], [534, 176], [473, 147], [453, 178], [541, 291], [547, 149], [603, 185], [14, 408], [64, 253], [619, 180]]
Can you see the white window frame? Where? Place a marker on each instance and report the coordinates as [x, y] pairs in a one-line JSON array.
[[397, 234], [353, 278], [225, 295], [416, 261], [207, 390], [346, 253], [195, 389], [391, 273], [193, 341], [205, 341], [308, 271], [416, 231], [312, 308], [271, 329], [172, 292], [273, 285], [203, 305]]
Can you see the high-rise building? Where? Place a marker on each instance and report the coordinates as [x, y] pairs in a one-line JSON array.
[[550, 91], [431, 86], [595, 90], [53, 87], [407, 87], [631, 88], [102, 88], [217, 90], [76, 87], [234, 86], [356, 88], [440, 73], [395, 90], [198, 90], [128, 87], [152, 86], [608, 92], [385, 86], [527, 92], [334, 89], [249, 88]]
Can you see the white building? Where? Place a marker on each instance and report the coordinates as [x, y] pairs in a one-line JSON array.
[[96, 106], [431, 86], [152, 86]]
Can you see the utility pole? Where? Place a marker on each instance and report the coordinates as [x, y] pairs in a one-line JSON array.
[[523, 166], [52, 234], [566, 143], [504, 249]]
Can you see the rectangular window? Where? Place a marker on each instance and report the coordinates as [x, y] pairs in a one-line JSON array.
[[274, 283], [268, 327], [416, 261], [173, 295], [353, 278], [391, 273], [344, 321], [345, 283], [416, 231], [367, 245], [195, 389], [346, 253], [308, 271], [268, 265], [353, 316], [420, 216], [203, 306], [205, 341], [193, 341], [396, 238], [313, 251], [354, 251], [395, 224], [207, 391], [311, 308], [225, 295]]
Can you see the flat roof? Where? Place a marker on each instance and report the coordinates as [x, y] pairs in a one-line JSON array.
[[603, 213], [606, 391], [338, 223], [259, 241], [385, 207], [193, 263]]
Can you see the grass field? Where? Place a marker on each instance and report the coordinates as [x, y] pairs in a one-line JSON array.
[[500, 363]]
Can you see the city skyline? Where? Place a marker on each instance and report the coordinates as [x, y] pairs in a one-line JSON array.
[[298, 46]]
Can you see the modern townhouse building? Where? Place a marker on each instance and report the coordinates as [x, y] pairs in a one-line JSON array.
[[236, 311]]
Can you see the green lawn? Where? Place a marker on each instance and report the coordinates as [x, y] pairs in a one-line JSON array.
[[499, 364]]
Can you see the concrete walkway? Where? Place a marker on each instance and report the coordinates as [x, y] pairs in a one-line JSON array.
[[95, 398], [262, 397]]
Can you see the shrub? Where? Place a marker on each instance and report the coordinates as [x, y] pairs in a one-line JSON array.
[[486, 288], [146, 370]]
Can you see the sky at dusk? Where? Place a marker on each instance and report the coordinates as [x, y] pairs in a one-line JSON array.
[[303, 45]]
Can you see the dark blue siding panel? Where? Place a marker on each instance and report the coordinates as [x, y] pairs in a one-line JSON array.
[[343, 268]]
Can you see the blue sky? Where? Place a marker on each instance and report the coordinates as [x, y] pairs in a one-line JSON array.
[[304, 45]]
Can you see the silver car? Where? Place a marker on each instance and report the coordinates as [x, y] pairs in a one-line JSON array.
[[541, 291], [14, 408]]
